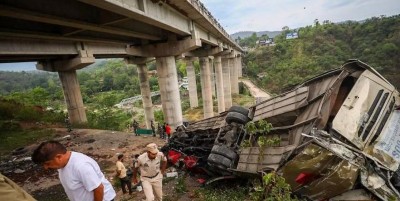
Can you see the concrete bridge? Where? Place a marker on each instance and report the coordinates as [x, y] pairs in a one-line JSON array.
[[66, 35]]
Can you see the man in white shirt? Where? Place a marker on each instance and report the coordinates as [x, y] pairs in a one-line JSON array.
[[121, 174], [152, 166], [79, 174]]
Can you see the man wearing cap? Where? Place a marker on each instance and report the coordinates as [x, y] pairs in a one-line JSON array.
[[152, 165]]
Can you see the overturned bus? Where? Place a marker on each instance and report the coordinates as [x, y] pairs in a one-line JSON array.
[[339, 137]]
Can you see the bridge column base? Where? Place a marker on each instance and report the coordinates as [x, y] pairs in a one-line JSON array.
[[169, 89], [240, 67], [73, 96], [220, 84], [146, 94], [194, 102], [227, 83], [234, 75], [206, 91]]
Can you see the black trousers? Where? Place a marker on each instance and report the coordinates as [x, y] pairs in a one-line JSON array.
[[126, 182]]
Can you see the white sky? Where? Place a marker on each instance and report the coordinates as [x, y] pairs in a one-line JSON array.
[[268, 15]]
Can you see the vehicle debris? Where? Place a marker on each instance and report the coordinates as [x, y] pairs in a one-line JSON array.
[[333, 136]]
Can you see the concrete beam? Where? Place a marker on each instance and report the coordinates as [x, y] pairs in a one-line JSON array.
[[145, 11], [205, 51], [50, 19], [84, 59], [34, 49], [137, 60], [170, 48], [57, 38]]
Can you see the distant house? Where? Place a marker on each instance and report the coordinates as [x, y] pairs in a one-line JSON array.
[[267, 42], [292, 35]]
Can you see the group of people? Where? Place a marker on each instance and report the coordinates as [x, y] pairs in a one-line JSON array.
[[82, 178], [164, 130]]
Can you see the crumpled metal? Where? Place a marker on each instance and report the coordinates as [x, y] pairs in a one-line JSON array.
[[329, 174]]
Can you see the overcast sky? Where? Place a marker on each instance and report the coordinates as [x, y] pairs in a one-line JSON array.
[[272, 15]]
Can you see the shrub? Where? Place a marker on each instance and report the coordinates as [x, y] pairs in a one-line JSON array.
[[7, 110], [9, 126], [28, 114]]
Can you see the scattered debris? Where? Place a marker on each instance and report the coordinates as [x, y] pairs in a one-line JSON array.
[[66, 137], [339, 127], [19, 171]]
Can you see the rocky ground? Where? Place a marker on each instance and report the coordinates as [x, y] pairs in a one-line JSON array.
[[103, 146]]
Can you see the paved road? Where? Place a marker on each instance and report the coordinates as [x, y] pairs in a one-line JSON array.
[[255, 91]]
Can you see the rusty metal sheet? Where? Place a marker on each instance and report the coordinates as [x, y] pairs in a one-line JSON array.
[[327, 174], [377, 185], [281, 104], [251, 160], [206, 124]]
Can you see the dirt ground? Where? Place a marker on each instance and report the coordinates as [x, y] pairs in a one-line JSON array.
[[101, 145]]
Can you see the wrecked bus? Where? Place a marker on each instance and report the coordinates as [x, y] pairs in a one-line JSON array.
[[339, 137]]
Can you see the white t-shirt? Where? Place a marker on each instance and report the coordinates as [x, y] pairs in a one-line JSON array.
[[81, 176]]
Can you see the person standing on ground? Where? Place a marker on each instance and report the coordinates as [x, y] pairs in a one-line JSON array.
[[152, 165], [121, 174], [135, 126], [152, 128], [79, 174], [68, 124], [160, 130], [168, 131], [164, 130]]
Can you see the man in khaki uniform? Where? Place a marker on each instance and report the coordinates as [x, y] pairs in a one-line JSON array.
[[152, 166], [12, 192]]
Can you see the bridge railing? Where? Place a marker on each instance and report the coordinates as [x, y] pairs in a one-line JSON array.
[[128, 101], [201, 8]]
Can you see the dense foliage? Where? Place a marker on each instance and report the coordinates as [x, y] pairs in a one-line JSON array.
[[375, 41], [26, 94]]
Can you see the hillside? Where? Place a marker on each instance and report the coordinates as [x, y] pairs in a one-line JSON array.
[[245, 34], [325, 46]]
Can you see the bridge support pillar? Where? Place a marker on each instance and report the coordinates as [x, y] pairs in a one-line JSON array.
[[212, 70], [66, 69], [239, 66], [206, 91], [146, 94], [234, 75], [220, 83], [227, 83], [73, 96], [169, 89], [144, 88], [192, 83]]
